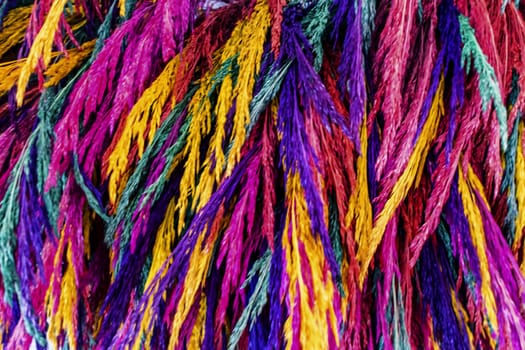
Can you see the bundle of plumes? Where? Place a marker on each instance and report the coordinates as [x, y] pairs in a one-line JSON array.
[[262, 174]]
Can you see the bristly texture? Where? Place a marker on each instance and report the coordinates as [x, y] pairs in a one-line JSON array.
[[262, 174]]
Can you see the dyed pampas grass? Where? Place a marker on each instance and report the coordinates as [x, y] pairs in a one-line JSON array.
[[262, 174]]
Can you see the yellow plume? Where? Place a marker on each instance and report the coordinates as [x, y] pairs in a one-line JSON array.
[[65, 316], [520, 195], [59, 70], [400, 190], [198, 267], [166, 236], [477, 233], [41, 48], [14, 28], [197, 335], [147, 111], [314, 325], [360, 208], [246, 41]]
